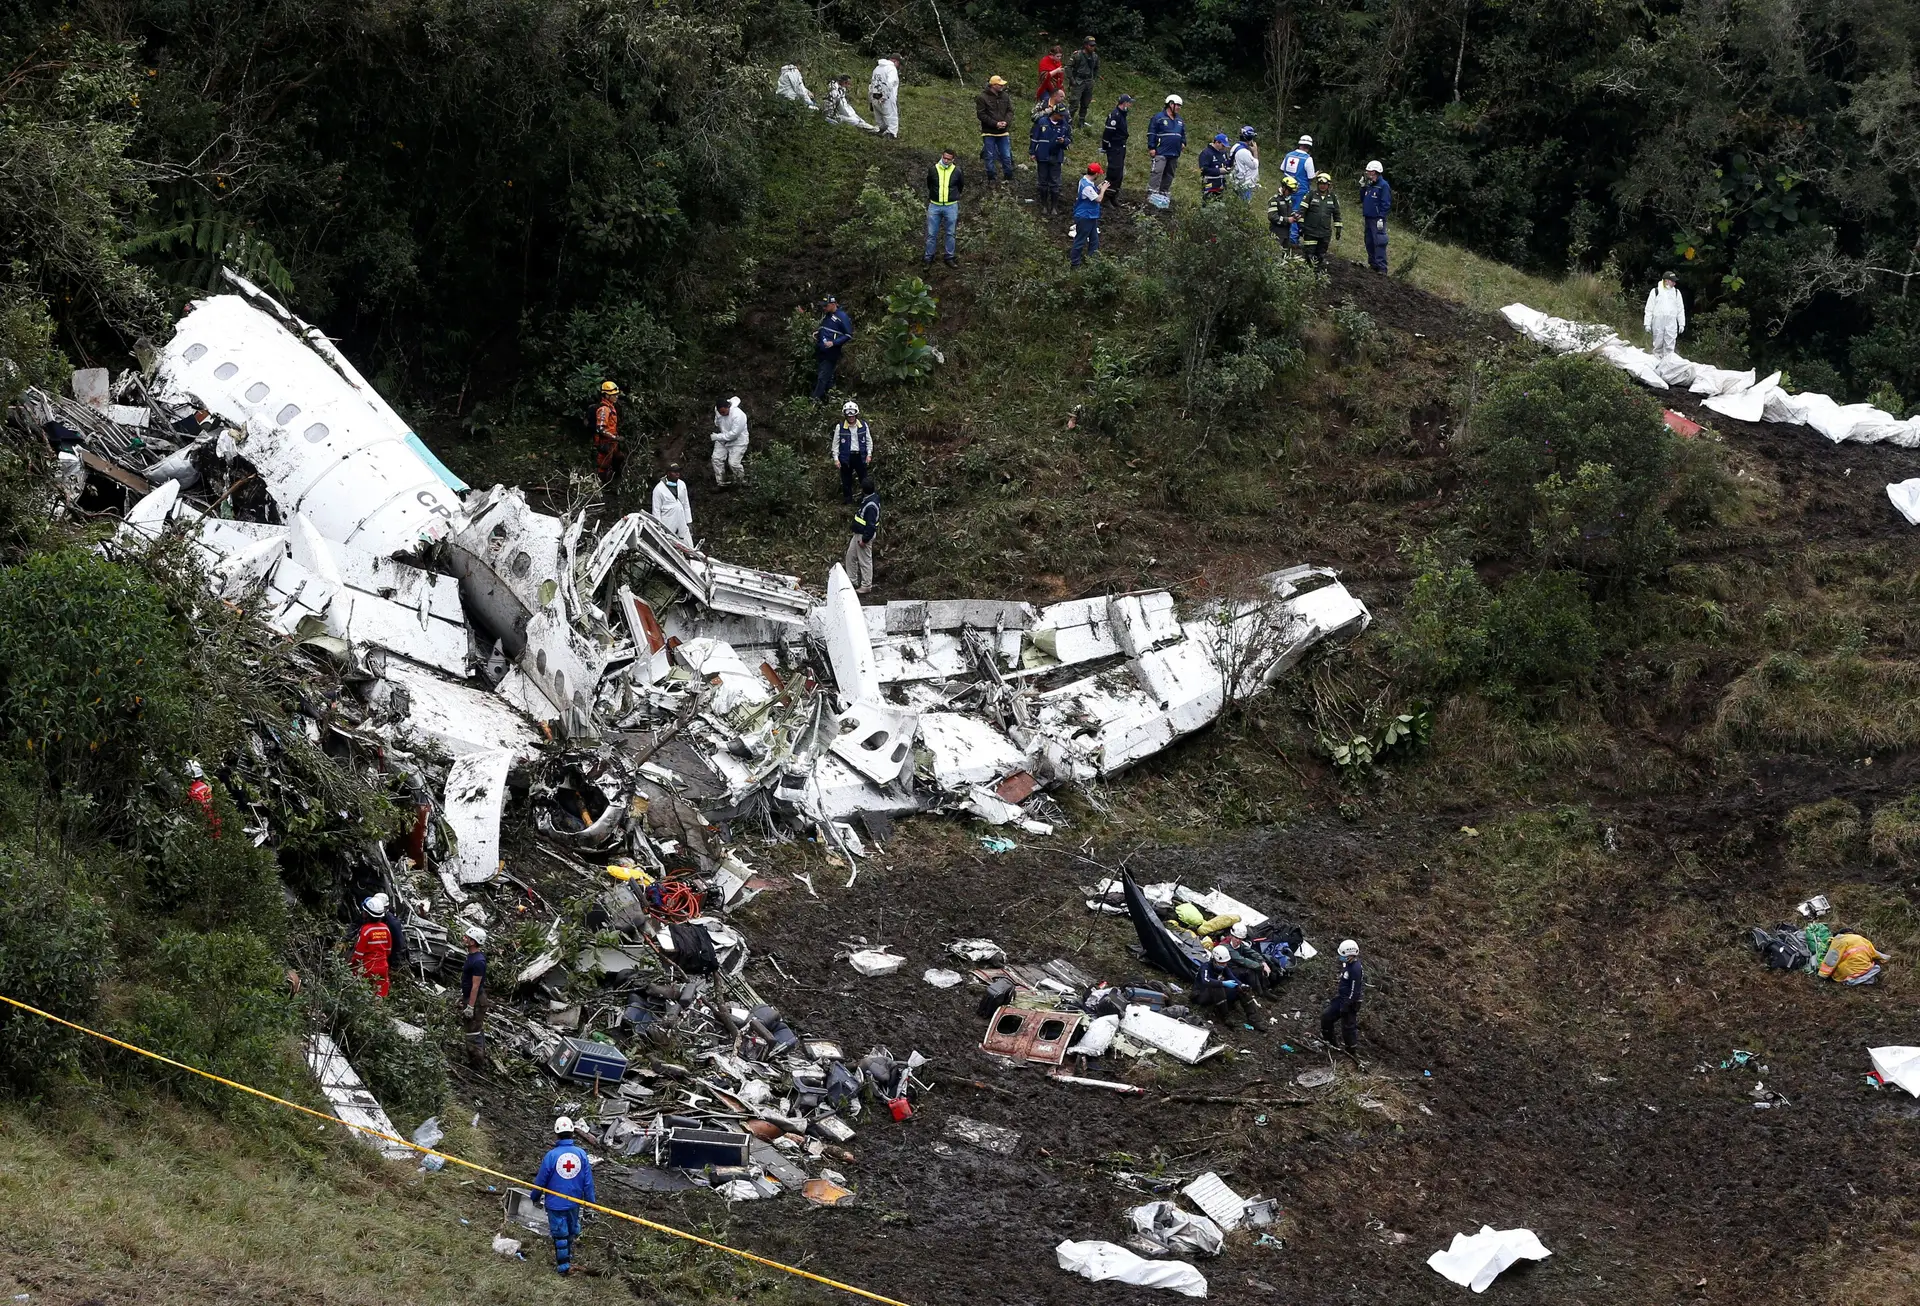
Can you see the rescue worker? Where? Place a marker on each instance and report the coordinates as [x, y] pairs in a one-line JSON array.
[[567, 1176], [1376, 201], [791, 87], [1344, 1006], [673, 506], [473, 997], [1850, 958], [1052, 75], [1249, 966], [729, 441], [1666, 315], [852, 449], [1088, 197], [1320, 223], [373, 944], [1246, 164], [829, 342], [944, 182], [1282, 218], [1298, 164], [866, 525], [1216, 985], [994, 108], [1082, 72], [840, 105], [606, 433], [1214, 163], [1166, 141], [883, 93], [1047, 147], [1113, 144]]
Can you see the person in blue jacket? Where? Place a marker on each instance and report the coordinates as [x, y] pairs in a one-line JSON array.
[[567, 1176], [1376, 201], [1088, 198], [1344, 1006], [1215, 159], [1298, 164], [1047, 147], [1166, 141], [829, 342]]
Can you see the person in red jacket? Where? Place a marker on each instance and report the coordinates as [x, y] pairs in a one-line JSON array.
[[373, 945], [1053, 74]]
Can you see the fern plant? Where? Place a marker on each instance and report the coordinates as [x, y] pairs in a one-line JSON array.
[[191, 240]]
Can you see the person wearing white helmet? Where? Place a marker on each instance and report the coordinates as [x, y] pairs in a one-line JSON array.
[[1249, 965], [1166, 141], [373, 944], [729, 441], [567, 1177], [1376, 201], [473, 997], [1298, 164], [1344, 1006], [852, 449], [1216, 985]]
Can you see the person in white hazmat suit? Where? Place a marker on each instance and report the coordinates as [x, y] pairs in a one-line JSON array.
[[884, 94], [1666, 316], [791, 87], [840, 110], [673, 507], [729, 441]]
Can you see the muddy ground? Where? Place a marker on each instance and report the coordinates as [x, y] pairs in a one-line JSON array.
[[1533, 1041]]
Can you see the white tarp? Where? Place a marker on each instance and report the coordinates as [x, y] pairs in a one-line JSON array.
[[1476, 1261], [1101, 1261], [1898, 1066], [1906, 497], [1166, 1228]]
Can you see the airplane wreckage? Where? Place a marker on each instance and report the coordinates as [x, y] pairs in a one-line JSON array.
[[642, 695]]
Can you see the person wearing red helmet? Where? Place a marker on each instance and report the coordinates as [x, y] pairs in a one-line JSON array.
[[1092, 192]]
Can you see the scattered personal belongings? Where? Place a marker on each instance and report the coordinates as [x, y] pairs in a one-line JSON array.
[[1816, 906], [824, 1192], [941, 978], [1161, 1228], [1475, 1261], [977, 951], [875, 961], [997, 1139], [1899, 1066], [1100, 1261], [507, 1246]]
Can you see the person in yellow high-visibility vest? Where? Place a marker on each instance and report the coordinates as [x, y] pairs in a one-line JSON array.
[[944, 180]]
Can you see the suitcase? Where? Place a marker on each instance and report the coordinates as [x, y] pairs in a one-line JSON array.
[[695, 1149], [584, 1059]]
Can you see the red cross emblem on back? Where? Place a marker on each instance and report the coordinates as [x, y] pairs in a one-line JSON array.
[[568, 1166]]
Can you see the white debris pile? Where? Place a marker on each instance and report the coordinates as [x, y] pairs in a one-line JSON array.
[[1476, 1260], [1101, 1261], [1739, 395]]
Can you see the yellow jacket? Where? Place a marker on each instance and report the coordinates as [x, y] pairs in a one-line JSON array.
[[1848, 957]]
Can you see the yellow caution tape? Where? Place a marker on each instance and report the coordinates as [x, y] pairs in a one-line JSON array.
[[454, 1160]]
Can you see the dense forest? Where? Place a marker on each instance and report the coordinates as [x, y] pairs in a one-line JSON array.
[[500, 199]]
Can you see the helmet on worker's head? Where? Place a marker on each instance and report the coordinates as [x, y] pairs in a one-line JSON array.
[[1239, 930], [376, 905], [563, 1125], [1306, 140], [1221, 954], [476, 934], [1175, 101], [1289, 182], [1373, 165], [1247, 133], [609, 388], [1324, 179], [1348, 948], [850, 409]]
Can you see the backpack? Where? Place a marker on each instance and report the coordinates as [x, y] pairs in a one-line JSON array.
[[1783, 947]]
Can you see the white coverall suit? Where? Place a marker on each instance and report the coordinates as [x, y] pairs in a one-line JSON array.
[[729, 442], [1666, 318], [674, 509], [884, 94], [838, 110], [791, 87]]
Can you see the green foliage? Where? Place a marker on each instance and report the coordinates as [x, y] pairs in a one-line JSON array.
[[28, 355], [218, 1001], [92, 671], [213, 883], [194, 239], [1571, 466], [1824, 835], [1359, 333], [778, 485], [1719, 337], [1408, 732], [1896, 833], [880, 234], [614, 339], [1116, 389], [56, 953], [904, 354], [409, 1078]]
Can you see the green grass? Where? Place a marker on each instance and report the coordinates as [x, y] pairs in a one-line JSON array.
[[1838, 705]]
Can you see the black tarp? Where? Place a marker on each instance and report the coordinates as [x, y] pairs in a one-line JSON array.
[[1157, 944]]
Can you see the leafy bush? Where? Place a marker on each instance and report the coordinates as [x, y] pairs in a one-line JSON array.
[[617, 339], [883, 230], [1529, 644], [1116, 390], [55, 953], [905, 354], [1719, 337], [779, 481], [1572, 464], [409, 1078], [1442, 641], [92, 671], [218, 1001], [215, 882], [1358, 331]]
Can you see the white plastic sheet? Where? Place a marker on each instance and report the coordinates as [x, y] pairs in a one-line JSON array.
[[1898, 1066], [872, 961], [1167, 1228], [1475, 1261], [1100, 1261], [1906, 497]]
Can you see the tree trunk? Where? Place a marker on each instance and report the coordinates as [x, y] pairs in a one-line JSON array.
[[1282, 62], [1460, 57]]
